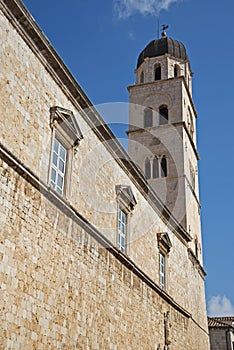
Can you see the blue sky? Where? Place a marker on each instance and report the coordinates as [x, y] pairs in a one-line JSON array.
[[100, 41]]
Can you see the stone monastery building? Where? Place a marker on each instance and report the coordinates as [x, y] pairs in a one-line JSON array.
[[99, 249]]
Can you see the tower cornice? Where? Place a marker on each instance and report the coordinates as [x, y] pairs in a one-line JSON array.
[[169, 80], [162, 57]]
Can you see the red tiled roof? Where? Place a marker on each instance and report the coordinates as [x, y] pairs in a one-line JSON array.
[[220, 321]]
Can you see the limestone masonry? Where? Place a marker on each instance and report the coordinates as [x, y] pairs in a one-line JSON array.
[[98, 250]]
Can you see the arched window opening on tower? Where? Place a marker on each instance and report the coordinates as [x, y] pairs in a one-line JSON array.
[[163, 167], [155, 168], [157, 72], [163, 115], [176, 70], [147, 169], [148, 117], [142, 77]]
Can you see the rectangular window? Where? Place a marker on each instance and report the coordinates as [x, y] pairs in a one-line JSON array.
[[162, 270], [58, 167], [122, 230]]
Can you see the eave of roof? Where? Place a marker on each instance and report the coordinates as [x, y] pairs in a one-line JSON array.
[[220, 322]]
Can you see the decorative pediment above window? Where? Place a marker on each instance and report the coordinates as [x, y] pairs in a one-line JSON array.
[[164, 242], [64, 120], [125, 197]]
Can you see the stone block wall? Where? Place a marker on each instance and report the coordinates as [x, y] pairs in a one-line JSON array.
[[61, 289]]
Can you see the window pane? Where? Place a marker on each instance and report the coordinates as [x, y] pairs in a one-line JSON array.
[[55, 159], [60, 181], [56, 145], [61, 165], [53, 175], [162, 281], [59, 190], [162, 269], [62, 152], [53, 185]]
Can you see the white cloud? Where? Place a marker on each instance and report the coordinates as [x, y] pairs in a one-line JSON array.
[[220, 306], [127, 8], [131, 36]]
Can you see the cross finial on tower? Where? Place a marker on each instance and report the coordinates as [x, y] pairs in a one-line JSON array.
[[164, 27]]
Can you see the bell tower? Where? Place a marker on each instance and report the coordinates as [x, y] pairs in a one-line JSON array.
[[162, 131]]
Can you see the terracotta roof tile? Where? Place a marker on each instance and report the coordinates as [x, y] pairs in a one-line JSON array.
[[220, 322]]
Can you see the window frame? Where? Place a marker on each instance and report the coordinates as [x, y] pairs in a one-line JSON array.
[[126, 203], [66, 131], [162, 274], [66, 144], [164, 246], [122, 234], [56, 167], [153, 167]]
